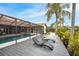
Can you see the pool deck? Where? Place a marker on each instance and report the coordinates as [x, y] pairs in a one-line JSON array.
[[26, 48]]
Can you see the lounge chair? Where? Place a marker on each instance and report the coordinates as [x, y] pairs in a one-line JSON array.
[[42, 43], [45, 39]]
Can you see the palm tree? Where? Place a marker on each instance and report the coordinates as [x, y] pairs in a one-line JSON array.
[[57, 9], [61, 22], [72, 27], [73, 20]]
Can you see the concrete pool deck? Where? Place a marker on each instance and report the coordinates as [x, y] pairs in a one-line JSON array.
[[26, 48]]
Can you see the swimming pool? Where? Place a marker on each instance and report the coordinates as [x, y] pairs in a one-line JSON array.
[[12, 38]]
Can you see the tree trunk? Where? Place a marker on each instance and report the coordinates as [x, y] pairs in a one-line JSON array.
[[57, 20], [72, 27], [56, 26], [73, 20], [62, 23]]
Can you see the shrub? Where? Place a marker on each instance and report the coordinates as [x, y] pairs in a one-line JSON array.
[[61, 31], [74, 45], [66, 38], [64, 35]]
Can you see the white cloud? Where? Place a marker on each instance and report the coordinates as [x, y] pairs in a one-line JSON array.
[[36, 11], [3, 10], [77, 7], [30, 13], [70, 9]]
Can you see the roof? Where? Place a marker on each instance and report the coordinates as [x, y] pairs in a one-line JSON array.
[[42, 24], [12, 21]]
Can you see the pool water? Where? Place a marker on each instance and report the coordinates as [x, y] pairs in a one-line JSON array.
[[12, 38]]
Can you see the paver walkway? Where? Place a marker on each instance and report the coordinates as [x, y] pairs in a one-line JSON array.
[[27, 48]]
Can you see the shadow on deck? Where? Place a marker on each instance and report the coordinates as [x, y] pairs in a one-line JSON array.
[[26, 48]]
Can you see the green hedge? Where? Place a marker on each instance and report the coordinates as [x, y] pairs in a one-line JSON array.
[[64, 34]]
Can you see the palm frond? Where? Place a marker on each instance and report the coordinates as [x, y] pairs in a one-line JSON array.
[[66, 13], [62, 19], [49, 15], [55, 6], [53, 24], [49, 5], [66, 5], [49, 12]]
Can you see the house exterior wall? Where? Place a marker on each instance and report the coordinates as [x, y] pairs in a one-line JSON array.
[[43, 29]]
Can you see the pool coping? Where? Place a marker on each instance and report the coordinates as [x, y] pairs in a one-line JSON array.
[[18, 41]]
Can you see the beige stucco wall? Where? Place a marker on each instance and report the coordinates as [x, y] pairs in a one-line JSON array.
[[44, 29]]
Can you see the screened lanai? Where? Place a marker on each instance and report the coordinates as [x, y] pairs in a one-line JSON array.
[[12, 25]]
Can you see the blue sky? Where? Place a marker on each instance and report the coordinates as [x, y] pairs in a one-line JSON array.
[[33, 12]]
